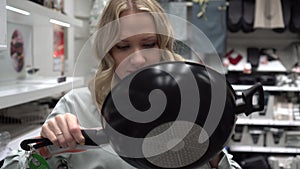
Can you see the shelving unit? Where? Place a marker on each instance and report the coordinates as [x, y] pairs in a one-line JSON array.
[[284, 88], [22, 91], [16, 89], [267, 122], [261, 124], [260, 135], [272, 66], [39, 15], [257, 149]]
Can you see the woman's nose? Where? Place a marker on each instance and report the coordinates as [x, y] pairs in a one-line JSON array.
[[138, 58]]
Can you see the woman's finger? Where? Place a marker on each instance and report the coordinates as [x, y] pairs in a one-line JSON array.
[[47, 133], [58, 131], [74, 128], [65, 135]]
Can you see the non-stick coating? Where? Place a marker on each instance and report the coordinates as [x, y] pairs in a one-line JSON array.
[[166, 77]]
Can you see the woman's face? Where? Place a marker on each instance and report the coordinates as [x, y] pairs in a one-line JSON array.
[[137, 46]]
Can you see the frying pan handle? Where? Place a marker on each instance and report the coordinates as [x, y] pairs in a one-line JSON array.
[[247, 106], [97, 134]]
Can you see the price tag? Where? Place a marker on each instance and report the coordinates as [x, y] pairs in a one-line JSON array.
[[38, 162]]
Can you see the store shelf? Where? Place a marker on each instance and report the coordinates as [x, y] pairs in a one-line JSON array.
[[272, 66], [22, 91], [285, 88], [267, 122], [257, 149], [14, 144], [39, 15]]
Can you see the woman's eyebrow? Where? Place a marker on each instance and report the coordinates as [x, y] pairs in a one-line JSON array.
[[149, 38], [122, 40]]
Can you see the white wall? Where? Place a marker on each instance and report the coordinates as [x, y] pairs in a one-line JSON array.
[[3, 31]]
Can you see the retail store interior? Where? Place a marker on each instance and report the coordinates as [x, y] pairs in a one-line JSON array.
[[45, 47]]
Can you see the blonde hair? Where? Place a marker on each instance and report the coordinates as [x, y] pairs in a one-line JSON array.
[[107, 36]]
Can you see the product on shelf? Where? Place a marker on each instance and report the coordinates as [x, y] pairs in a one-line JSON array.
[[4, 139], [95, 13], [17, 50], [41, 2]]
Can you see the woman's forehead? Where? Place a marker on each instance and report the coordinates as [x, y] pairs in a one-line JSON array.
[[132, 24]]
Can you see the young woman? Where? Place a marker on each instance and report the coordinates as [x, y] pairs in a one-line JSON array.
[[131, 34]]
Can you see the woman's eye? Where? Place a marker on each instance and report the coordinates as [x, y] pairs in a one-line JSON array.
[[149, 45], [122, 47]]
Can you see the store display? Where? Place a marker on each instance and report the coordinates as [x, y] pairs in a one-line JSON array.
[[32, 113], [17, 50], [289, 80], [270, 108], [16, 87], [296, 162], [282, 162], [247, 80], [247, 69], [255, 162], [287, 15], [296, 111], [95, 13], [292, 138], [233, 57], [270, 53], [18, 54], [52, 4], [295, 21], [249, 136], [238, 133], [253, 55], [58, 5], [275, 137], [248, 15], [268, 14], [234, 15], [255, 135], [59, 49], [212, 23], [267, 80], [283, 110], [292, 51]]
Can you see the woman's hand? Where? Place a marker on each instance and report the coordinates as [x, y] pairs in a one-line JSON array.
[[63, 131]]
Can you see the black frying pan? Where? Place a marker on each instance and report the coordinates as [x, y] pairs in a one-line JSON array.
[[170, 115]]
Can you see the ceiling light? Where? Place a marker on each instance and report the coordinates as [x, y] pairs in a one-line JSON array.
[[20, 11], [60, 23]]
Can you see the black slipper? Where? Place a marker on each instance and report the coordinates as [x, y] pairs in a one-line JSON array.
[[248, 15], [253, 55], [234, 15], [295, 21], [286, 11]]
